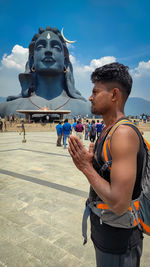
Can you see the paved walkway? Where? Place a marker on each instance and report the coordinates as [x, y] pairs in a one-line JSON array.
[[42, 198]]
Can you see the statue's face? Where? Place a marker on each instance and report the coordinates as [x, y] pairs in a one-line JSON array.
[[48, 54]]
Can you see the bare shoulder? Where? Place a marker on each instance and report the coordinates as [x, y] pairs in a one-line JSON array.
[[125, 139], [126, 131]]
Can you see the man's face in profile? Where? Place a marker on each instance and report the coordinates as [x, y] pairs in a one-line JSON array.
[[48, 54]]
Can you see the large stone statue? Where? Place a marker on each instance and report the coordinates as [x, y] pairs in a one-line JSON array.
[[48, 78]]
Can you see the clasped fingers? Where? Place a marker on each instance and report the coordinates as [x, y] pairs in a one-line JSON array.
[[75, 145]]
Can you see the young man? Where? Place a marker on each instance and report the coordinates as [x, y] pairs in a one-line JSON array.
[[79, 130], [86, 127], [74, 127], [99, 127], [93, 131], [22, 128], [66, 131], [59, 129], [116, 187]]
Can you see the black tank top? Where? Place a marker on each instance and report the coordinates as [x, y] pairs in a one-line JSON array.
[[107, 238]]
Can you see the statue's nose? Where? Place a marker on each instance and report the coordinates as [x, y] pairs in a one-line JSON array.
[[48, 53]]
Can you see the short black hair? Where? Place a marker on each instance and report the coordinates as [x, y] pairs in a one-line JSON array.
[[114, 72]]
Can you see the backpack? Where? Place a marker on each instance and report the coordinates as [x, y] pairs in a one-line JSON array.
[[138, 214]]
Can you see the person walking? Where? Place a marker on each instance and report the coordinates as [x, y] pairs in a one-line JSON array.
[[86, 127], [22, 128], [79, 130], [99, 127], [74, 127], [59, 129], [144, 118], [93, 131], [66, 131], [1, 124], [116, 185]]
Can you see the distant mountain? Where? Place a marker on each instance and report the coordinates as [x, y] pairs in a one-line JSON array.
[[2, 99], [136, 106]]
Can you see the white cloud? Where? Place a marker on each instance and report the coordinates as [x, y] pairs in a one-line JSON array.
[[95, 63], [72, 59], [11, 66], [141, 80], [82, 73], [17, 58], [69, 46], [143, 69]]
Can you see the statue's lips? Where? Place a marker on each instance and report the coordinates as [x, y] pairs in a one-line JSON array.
[[48, 59]]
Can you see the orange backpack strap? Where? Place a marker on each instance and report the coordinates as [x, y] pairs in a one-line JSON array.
[[106, 147], [147, 143]]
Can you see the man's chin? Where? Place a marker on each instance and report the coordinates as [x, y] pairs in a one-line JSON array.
[[93, 111]]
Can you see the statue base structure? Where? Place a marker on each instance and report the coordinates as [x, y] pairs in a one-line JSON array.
[[76, 106]]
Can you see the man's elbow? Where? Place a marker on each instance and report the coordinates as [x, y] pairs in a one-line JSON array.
[[120, 209]]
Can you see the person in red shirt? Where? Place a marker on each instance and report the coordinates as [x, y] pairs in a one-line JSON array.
[[79, 130]]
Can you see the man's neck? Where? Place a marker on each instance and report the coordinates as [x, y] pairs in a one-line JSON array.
[[113, 118]]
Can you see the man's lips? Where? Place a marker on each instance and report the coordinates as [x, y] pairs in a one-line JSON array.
[[48, 59]]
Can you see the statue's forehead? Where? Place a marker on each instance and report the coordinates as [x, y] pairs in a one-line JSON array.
[[48, 35]]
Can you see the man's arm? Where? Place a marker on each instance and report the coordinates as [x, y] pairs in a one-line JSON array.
[[124, 147]]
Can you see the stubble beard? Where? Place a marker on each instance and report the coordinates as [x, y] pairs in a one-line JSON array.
[[93, 111]]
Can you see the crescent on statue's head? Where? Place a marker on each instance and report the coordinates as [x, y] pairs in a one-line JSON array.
[[67, 41]]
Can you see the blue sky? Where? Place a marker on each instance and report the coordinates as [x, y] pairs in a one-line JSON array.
[[105, 30]]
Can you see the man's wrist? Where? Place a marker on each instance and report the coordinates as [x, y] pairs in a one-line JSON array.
[[87, 170]]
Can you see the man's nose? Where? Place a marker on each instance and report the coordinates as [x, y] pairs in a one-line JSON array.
[[90, 98]]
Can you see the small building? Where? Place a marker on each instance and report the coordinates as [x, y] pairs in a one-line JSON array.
[[43, 112]]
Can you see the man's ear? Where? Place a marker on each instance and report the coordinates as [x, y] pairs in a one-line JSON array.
[[115, 94]]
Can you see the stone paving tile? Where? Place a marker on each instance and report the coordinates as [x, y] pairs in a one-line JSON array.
[[43, 250], [39, 215], [12, 232], [25, 197], [75, 247], [145, 260], [70, 261], [47, 232], [14, 256], [19, 218]]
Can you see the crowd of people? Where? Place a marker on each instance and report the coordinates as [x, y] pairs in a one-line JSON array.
[[145, 118], [87, 130]]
